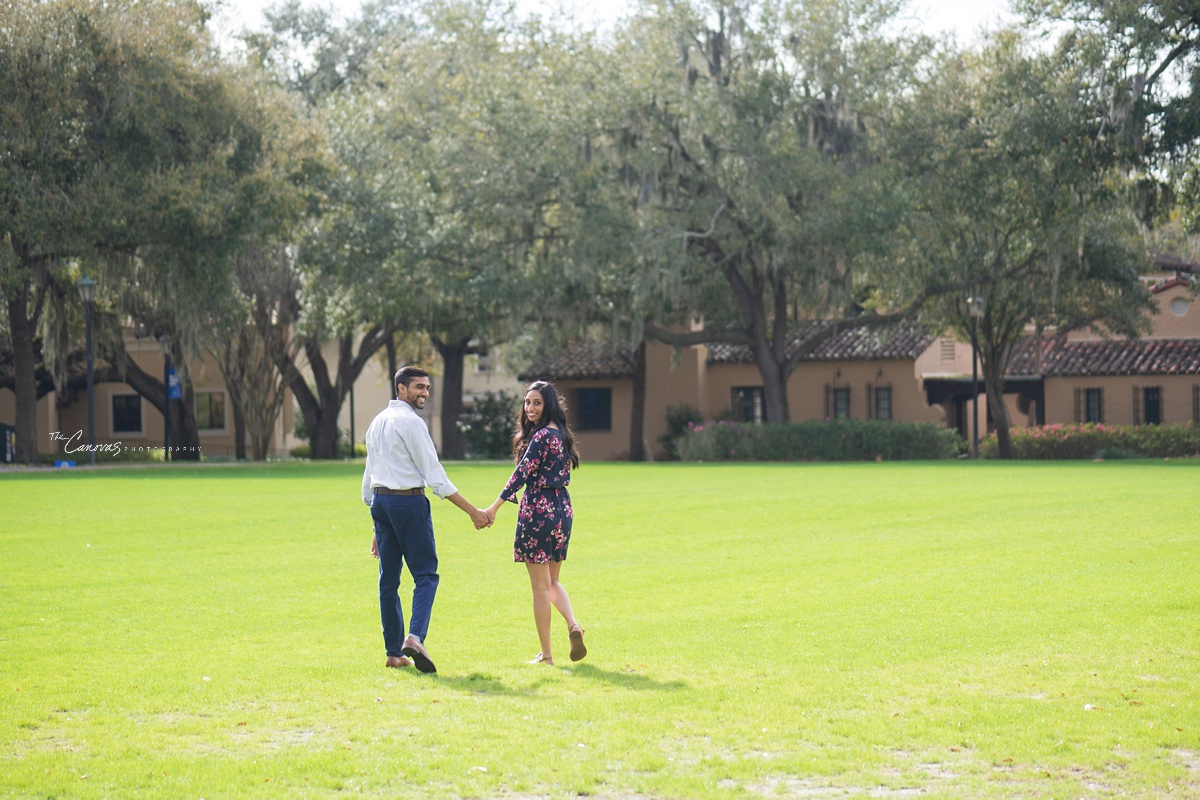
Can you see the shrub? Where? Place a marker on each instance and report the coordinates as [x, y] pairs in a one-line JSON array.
[[1097, 440], [488, 425], [344, 450], [305, 450], [840, 440], [679, 419]]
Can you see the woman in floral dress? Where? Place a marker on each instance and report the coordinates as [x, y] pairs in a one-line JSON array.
[[545, 451]]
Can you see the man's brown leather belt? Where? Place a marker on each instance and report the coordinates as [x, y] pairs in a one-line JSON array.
[[405, 492]]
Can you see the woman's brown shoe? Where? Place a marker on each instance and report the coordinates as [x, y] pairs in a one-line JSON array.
[[541, 659], [578, 649]]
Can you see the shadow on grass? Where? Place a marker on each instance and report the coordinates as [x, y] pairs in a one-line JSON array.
[[626, 680], [477, 683]]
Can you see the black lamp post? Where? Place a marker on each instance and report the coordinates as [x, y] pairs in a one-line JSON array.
[[87, 292], [164, 341], [975, 307]]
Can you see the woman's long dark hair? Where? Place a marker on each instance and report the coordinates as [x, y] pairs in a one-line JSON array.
[[554, 411]]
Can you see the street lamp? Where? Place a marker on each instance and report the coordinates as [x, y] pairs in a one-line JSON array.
[[87, 292], [164, 341], [975, 307]]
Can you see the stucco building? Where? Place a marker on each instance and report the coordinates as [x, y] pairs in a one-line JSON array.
[[901, 373]]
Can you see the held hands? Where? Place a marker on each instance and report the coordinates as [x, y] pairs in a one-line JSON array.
[[485, 517], [480, 518], [492, 509]]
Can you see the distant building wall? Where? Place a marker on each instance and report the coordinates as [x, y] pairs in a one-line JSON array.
[[1178, 395]]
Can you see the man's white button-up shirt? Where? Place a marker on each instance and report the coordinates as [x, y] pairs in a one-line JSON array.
[[401, 455]]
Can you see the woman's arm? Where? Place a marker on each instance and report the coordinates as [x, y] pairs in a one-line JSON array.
[[526, 470]]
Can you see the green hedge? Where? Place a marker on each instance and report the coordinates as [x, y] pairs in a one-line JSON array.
[[305, 450], [840, 440], [1088, 440]]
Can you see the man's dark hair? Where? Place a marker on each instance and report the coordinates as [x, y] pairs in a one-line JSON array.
[[404, 375]]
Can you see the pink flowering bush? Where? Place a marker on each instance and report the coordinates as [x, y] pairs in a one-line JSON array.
[[1097, 440]]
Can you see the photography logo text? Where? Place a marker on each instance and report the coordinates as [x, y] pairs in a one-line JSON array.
[[74, 444]]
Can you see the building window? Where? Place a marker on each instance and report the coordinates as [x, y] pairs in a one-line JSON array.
[[947, 349], [748, 404], [1093, 405], [841, 402], [126, 413], [837, 402], [210, 411], [883, 402], [593, 409], [1152, 405], [1179, 306], [483, 363]]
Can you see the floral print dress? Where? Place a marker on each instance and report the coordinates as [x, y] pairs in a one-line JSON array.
[[544, 515]]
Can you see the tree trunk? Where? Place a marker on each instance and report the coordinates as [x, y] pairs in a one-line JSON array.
[[255, 388], [392, 368], [21, 329], [994, 383], [637, 411], [239, 432], [185, 428], [185, 439], [775, 399], [767, 332], [321, 402], [323, 439], [320, 409], [454, 444]]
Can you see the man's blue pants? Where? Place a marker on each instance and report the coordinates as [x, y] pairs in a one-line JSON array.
[[404, 535]]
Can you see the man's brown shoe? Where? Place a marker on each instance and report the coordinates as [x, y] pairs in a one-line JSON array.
[[398, 661], [416, 651]]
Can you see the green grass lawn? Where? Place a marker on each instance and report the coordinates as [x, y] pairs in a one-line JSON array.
[[950, 629]]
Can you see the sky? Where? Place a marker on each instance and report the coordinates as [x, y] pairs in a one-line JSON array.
[[964, 17]]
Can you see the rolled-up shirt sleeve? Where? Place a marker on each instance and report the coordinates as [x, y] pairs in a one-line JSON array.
[[367, 491]]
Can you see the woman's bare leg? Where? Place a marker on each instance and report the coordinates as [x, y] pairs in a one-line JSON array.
[[558, 595], [539, 583]]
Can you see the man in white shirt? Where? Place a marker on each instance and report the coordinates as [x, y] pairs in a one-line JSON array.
[[401, 462]]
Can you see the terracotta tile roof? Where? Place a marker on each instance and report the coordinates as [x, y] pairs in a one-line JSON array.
[[1060, 357], [582, 360], [1063, 358], [1024, 359], [1169, 261], [900, 341], [1170, 283], [1142, 357], [722, 353]]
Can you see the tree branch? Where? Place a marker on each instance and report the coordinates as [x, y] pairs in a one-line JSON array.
[[720, 335], [712, 226]]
